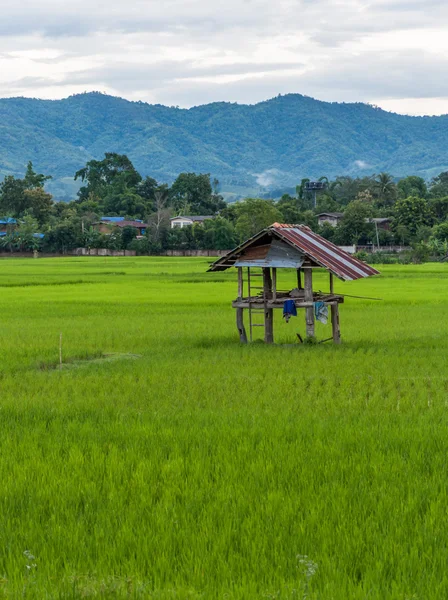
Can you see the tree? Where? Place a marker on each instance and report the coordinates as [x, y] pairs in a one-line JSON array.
[[17, 196], [39, 203], [413, 212], [127, 235], [386, 189], [63, 237], [99, 175], [327, 231], [12, 196], [439, 185], [412, 186], [159, 219], [439, 207], [123, 201], [192, 193], [301, 192], [255, 214], [345, 189], [147, 188], [215, 234], [26, 234], [33, 180], [355, 225], [289, 212], [440, 232], [326, 203]]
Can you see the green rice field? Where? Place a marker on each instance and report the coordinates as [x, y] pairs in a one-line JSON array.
[[165, 460]]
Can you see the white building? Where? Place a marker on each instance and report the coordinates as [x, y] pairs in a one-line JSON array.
[[182, 221]]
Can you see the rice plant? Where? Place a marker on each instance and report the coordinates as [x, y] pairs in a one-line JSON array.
[[190, 466]]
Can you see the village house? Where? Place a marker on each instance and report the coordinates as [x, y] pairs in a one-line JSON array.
[[381, 222], [332, 218], [6, 225], [107, 224], [183, 221]]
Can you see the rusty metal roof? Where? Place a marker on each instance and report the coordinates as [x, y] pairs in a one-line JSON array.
[[322, 252]]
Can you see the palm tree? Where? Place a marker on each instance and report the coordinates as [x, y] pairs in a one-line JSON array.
[[386, 188]]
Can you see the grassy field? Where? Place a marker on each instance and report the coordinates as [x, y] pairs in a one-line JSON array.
[[188, 466]]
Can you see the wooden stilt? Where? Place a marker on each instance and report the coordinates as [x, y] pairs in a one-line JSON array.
[[299, 279], [309, 298], [268, 312], [240, 325], [331, 284], [274, 284], [240, 283], [335, 323]]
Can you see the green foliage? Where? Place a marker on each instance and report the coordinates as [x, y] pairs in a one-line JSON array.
[[114, 170], [439, 185], [439, 206], [354, 226], [192, 194], [63, 237], [412, 186], [440, 232], [386, 189], [412, 213], [253, 215]]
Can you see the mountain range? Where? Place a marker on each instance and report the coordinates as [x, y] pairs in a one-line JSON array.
[[250, 149]]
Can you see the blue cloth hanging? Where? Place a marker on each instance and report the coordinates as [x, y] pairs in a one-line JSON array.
[[321, 312], [289, 310]]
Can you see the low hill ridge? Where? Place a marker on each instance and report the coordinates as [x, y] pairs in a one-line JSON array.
[[247, 147]]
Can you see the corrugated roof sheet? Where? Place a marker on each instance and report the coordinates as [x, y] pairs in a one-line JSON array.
[[318, 249]]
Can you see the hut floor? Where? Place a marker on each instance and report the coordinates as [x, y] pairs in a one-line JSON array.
[[299, 300]]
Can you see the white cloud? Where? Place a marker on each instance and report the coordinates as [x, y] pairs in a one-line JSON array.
[[362, 164], [185, 52]]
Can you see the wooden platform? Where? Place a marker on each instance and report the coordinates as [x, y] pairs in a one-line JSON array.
[[278, 302]]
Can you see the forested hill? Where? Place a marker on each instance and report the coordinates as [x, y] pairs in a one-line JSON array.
[[272, 144]]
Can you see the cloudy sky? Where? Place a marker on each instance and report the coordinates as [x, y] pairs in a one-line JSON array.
[[393, 53]]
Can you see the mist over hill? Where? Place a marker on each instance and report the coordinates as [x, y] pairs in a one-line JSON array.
[[249, 148]]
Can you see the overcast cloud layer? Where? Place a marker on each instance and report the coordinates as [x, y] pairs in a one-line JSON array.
[[188, 52]]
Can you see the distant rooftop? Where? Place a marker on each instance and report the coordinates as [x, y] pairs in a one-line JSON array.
[[117, 219], [194, 218], [336, 215]]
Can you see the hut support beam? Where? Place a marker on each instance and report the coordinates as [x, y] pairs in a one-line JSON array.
[[240, 325], [240, 283], [335, 323], [309, 298], [274, 284], [268, 312], [334, 316]]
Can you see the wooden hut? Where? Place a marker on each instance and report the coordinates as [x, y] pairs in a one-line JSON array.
[[288, 247]]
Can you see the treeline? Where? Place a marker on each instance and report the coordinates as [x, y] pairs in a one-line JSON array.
[[418, 211]]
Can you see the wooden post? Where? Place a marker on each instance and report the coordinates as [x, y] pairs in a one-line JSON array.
[[309, 298], [299, 279], [334, 315], [240, 325], [268, 312], [335, 323], [274, 284], [240, 283], [267, 282]]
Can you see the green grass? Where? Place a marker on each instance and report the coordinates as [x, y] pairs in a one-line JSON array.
[[207, 469]]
